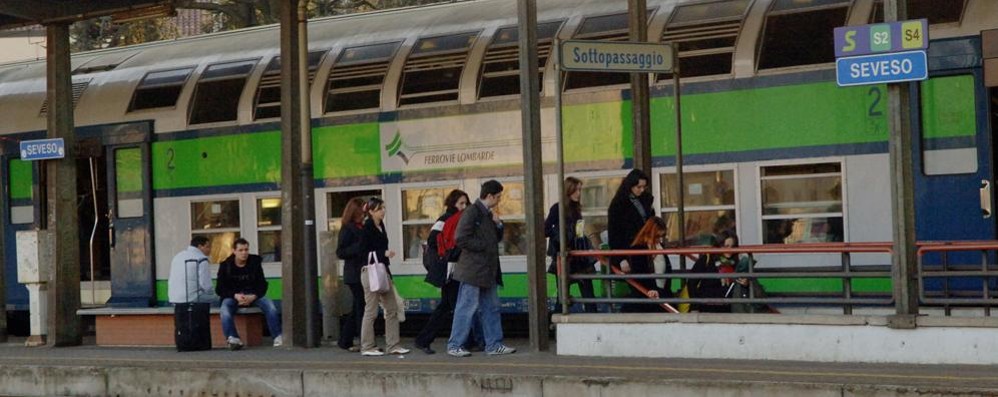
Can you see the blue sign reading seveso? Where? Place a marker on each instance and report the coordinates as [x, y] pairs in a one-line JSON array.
[[43, 149], [881, 68]]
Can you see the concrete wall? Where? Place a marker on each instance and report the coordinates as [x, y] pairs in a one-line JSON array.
[[257, 382], [861, 339]]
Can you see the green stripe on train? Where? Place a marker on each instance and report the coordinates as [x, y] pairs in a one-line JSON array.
[[413, 286], [345, 151], [20, 179], [217, 161]]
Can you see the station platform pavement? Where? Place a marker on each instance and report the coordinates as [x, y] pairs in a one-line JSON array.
[[89, 370]]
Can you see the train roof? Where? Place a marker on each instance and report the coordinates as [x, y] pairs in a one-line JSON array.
[[106, 80]]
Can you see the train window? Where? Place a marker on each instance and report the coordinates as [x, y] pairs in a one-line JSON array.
[[510, 210], [433, 71], [705, 36], [609, 28], [936, 11], [268, 232], [216, 97], [338, 202], [949, 144], [78, 87], [128, 182], [356, 79], [420, 209], [218, 220], [596, 196], [159, 89], [501, 66], [802, 203], [709, 204], [268, 94], [790, 20], [20, 194]]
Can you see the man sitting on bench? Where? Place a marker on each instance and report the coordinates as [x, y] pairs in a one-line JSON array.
[[241, 283]]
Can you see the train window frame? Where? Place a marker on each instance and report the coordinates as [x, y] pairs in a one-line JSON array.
[[843, 194], [79, 86], [219, 251], [156, 90], [519, 219], [270, 81], [593, 213], [711, 28], [508, 51], [359, 68], [216, 108], [666, 209], [877, 14], [261, 229], [334, 218], [824, 50], [429, 61], [580, 81], [406, 224]]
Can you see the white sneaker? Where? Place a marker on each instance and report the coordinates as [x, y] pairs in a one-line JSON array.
[[401, 350], [234, 343], [279, 341], [372, 353], [459, 352], [502, 350]]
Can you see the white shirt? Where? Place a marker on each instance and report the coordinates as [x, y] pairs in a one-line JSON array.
[[198, 276]]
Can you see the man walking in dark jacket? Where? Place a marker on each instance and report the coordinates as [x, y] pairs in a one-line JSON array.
[[478, 235], [241, 283]]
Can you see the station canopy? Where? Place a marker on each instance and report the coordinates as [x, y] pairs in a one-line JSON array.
[[19, 13]]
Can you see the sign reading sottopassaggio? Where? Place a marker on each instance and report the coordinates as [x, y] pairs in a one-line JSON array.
[[615, 56]]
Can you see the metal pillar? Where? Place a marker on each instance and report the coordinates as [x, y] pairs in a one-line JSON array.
[[64, 285], [533, 172], [680, 180], [640, 109], [560, 142], [4, 204], [903, 260], [302, 325]]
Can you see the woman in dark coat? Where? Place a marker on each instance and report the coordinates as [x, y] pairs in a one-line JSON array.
[[351, 250], [575, 240], [375, 240], [629, 209]]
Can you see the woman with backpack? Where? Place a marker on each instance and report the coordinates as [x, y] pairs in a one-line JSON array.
[[441, 252], [576, 239], [375, 241]]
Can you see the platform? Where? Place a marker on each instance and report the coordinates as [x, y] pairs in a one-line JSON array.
[[329, 371]]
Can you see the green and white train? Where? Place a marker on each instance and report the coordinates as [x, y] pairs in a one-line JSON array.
[[182, 137]]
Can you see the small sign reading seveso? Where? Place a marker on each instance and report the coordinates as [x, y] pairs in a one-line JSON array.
[[881, 68], [881, 38], [616, 56], [43, 149]]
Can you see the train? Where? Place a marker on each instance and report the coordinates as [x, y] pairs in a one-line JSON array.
[[182, 137]]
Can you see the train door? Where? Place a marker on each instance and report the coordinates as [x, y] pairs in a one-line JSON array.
[[129, 212], [18, 212], [954, 181], [91, 209]]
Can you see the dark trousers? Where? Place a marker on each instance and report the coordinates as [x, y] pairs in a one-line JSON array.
[[350, 324], [442, 317], [587, 291], [646, 307]]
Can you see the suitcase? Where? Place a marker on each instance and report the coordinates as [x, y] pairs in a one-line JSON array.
[[192, 322]]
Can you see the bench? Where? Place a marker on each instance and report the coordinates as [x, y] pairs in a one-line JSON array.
[[153, 326]]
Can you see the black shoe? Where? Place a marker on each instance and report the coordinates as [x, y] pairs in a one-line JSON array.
[[426, 349]]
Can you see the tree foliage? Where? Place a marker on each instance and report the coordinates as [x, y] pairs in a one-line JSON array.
[[225, 15]]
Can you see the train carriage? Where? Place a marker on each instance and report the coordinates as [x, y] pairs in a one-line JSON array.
[[181, 138]]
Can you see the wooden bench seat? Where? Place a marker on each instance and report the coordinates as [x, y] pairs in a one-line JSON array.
[[153, 326]]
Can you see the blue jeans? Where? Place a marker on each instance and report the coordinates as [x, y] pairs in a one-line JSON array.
[[486, 302], [267, 306]]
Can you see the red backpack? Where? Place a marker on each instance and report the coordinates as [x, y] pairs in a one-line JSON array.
[[447, 239]]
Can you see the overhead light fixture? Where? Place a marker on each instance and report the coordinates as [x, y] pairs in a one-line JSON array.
[[156, 11]]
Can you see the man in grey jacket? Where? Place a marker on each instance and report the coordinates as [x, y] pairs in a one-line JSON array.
[[190, 277], [478, 234]]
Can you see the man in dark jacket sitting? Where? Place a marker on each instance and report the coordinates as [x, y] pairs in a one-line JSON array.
[[241, 283], [478, 234]]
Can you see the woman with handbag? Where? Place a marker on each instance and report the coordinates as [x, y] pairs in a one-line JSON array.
[[350, 248], [576, 240], [378, 287]]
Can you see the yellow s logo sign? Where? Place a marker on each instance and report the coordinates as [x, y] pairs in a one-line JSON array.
[[850, 41]]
